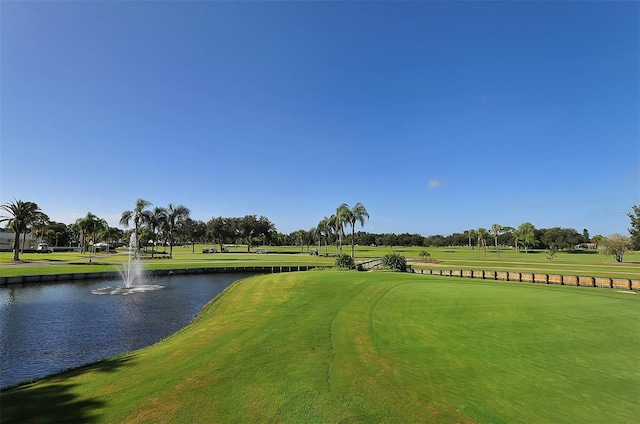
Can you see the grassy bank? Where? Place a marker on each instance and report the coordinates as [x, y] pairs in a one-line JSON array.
[[332, 346]]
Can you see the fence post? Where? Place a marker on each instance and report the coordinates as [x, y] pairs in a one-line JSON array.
[[610, 283], [546, 278], [483, 274], [561, 280], [520, 277], [630, 285]]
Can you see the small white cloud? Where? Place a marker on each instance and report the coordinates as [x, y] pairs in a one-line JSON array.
[[436, 183]]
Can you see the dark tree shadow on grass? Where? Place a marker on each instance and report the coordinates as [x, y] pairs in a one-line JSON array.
[[53, 401]]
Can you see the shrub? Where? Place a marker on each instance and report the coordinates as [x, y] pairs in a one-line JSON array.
[[424, 255], [395, 262], [345, 261]]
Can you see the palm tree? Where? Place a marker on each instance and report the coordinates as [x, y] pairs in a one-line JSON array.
[[526, 235], [91, 225], [156, 220], [299, 234], [21, 214], [337, 228], [472, 235], [482, 238], [139, 216], [109, 235], [496, 229], [357, 213], [175, 216], [324, 229]]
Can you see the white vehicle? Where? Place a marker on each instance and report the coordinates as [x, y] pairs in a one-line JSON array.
[[44, 248]]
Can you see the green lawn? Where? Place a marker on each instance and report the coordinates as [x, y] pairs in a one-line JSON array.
[[585, 264], [332, 346]]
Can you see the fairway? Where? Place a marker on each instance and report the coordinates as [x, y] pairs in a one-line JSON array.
[[332, 346]]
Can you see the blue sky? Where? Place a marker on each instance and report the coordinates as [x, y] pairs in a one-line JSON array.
[[437, 116]]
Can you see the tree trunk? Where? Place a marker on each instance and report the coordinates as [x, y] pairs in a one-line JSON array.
[[16, 245], [353, 240]]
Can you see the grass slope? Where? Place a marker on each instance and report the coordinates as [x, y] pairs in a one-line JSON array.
[[332, 346]]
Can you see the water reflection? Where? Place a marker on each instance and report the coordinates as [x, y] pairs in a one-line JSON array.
[[47, 328]]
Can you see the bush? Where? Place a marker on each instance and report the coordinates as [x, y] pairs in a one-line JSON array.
[[395, 262], [424, 255], [345, 261]]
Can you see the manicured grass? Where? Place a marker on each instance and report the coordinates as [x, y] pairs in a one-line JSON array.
[[588, 264], [331, 346]]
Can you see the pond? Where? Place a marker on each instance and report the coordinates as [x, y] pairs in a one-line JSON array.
[[48, 328]]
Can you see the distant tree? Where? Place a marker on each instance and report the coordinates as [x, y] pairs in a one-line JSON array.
[[496, 230], [358, 213], [616, 245], [91, 226], [140, 216], [175, 216], [339, 220], [471, 234], [436, 241], [220, 230], [265, 228], [561, 238], [21, 214], [57, 234], [336, 224], [299, 235], [110, 235], [634, 230], [525, 235], [324, 231], [597, 240], [248, 226], [482, 239], [585, 235], [156, 220], [191, 231]]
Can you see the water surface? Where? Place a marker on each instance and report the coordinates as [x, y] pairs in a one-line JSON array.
[[51, 327]]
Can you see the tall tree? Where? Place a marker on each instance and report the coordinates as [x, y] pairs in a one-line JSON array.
[[496, 230], [482, 239], [324, 231], [265, 228], [91, 225], [358, 213], [340, 219], [634, 230], [248, 226], [139, 216], [616, 245], [472, 235], [175, 216], [299, 235], [337, 227], [526, 236], [110, 235], [21, 214], [156, 220]]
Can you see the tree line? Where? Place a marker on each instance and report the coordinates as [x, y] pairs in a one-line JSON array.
[[168, 226]]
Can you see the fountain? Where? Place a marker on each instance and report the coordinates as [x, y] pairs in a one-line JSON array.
[[132, 274]]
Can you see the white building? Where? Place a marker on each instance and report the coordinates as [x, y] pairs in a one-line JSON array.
[[6, 241]]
